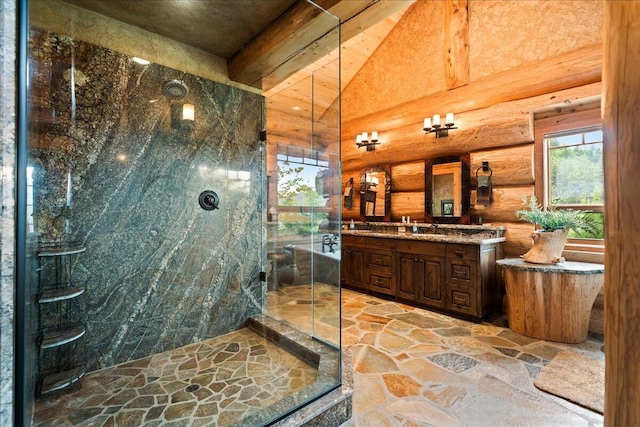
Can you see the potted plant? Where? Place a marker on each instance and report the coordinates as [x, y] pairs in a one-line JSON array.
[[554, 224]]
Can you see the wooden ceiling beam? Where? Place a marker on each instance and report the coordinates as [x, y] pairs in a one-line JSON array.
[[291, 42], [456, 30]]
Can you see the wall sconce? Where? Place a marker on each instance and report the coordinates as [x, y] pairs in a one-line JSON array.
[[182, 116], [362, 140], [435, 126]]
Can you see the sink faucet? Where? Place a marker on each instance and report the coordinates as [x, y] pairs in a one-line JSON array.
[[329, 240]]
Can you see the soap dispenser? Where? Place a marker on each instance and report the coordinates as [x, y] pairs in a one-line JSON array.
[[352, 225], [415, 227]]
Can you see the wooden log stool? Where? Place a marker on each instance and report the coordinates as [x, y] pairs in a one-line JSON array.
[[551, 302]]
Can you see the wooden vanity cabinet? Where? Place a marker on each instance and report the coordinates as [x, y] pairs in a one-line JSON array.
[[368, 264], [421, 273], [454, 278], [352, 271]]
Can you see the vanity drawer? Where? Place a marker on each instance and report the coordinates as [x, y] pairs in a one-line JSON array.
[[380, 259], [354, 240], [462, 300], [380, 283], [381, 243], [461, 272], [462, 251]]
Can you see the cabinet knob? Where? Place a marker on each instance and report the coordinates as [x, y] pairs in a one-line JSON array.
[[460, 254]]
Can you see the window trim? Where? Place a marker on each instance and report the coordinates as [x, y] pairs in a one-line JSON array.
[[555, 124]]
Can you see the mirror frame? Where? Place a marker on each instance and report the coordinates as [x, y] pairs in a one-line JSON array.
[[387, 193], [465, 217]]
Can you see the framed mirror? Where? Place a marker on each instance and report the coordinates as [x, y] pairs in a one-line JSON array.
[[375, 194], [448, 189]]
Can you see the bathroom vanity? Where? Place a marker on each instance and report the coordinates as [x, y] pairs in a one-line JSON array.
[[450, 268]]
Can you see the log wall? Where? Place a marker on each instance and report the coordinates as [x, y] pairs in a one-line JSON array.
[[494, 106]]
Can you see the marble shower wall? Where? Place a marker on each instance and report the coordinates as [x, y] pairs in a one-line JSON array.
[[161, 272]]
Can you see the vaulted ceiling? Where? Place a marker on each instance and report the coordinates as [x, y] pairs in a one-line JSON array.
[[259, 38]]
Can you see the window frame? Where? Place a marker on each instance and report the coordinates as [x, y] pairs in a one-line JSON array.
[[590, 250]]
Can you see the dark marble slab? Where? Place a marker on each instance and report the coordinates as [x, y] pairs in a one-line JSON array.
[[114, 173]]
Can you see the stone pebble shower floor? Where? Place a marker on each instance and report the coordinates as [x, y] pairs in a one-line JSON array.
[[215, 382]]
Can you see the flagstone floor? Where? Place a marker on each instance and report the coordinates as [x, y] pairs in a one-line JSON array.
[[413, 367], [217, 382]]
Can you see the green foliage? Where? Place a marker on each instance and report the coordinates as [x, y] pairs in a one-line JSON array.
[[293, 190], [577, 175], [555, 219]]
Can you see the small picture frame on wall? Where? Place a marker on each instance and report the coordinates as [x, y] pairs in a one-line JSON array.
[[447, 207]]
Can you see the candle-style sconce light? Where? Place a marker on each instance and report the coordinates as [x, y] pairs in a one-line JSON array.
[[433, 125], [363, 140], [183, 116]]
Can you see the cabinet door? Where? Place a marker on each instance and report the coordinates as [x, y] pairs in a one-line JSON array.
[[345, 265], [353, 268], [407, 276], [431, 290], [357, 271]]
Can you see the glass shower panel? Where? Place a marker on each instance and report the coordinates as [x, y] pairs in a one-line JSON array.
[[146, 236], [304, 201], [326, 139]]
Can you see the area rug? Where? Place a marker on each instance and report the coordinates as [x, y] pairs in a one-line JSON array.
[[576, 378]]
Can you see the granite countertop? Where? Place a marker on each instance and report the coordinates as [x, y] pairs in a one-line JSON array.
[[475, 239], [563, 267]]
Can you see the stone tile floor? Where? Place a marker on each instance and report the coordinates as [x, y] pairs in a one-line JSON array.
[[215, 382], [413, 367]]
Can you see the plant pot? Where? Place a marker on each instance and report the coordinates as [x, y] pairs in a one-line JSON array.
[[547, 247]]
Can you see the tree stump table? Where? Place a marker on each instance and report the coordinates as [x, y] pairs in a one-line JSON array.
[[551, 302]]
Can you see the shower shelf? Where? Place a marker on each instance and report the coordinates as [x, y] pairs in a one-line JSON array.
[[62, 336], [61, 250], [62, 294], [61, 380], [61, 357]]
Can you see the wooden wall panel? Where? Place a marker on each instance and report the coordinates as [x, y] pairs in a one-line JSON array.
[[408, 203], [407, 176], [510, 166], [506, 200]]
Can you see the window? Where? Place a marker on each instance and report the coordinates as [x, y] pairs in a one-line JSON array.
[[303, 188], [570, 171]]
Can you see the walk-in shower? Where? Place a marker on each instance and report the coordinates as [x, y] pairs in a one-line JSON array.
[[157, 216]]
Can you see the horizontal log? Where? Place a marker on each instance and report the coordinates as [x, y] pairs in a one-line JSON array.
[[410, 203], [407, 176], [509, 166], [518, 235], [506, 201], [572, 69], [499, 125], [405, 145]]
